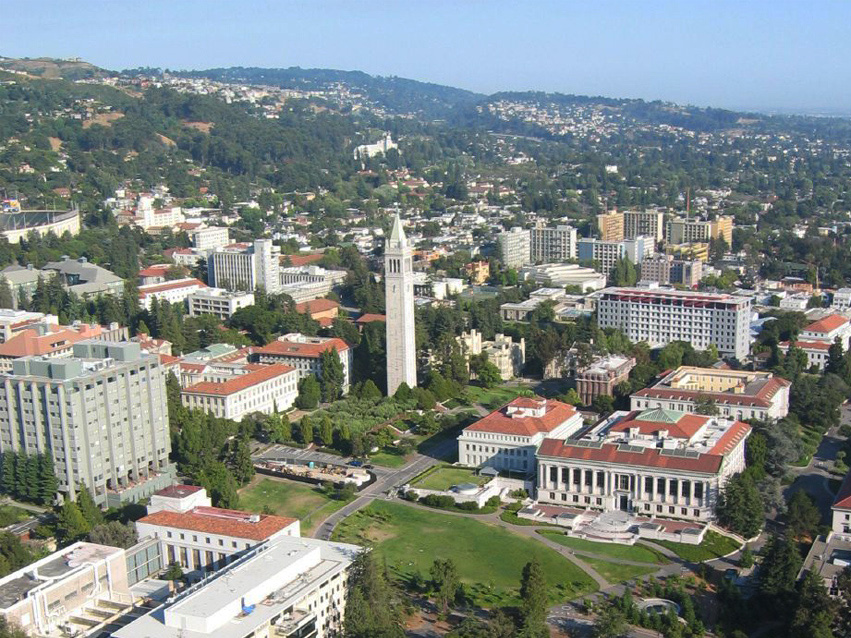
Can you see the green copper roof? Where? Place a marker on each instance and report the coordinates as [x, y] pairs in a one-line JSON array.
[[659, 415]]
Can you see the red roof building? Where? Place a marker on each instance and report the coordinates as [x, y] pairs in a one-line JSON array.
[[304, 354]]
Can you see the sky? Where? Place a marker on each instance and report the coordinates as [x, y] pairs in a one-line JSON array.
[[792, 55]]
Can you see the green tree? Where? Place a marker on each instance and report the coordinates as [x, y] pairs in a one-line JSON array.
[[309, 393], [174, 572], [7, 299], [305, 430], [88, 508], [802, 514], [444, 579], [815, 612], [706, 405], [241, 464], [331, 379], [47, 482], [114, 534], [779, 570], [370, 391], [488, 375], [326, 431], [740, 506], [70, 525], [372, 608], [220, 484], [610, 623], [623, 273], [533, 606]]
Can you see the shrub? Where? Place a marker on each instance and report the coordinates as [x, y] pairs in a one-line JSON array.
[[493, 501], [435, 500], [469, 506]]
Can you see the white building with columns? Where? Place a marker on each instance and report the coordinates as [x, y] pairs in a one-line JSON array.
[[655, 463], [507, 439], [399, 295]]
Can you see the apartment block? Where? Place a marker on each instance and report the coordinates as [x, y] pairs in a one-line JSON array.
[[665, 269], [209, 238], [608, 253], [659, 316], [550, 245], [648, 223], [611, 226], [245, 267], [514, 247], [686, 231], [175, 291], [101, 413]]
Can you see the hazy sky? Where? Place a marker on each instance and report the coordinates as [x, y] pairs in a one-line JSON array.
[[792, 54]]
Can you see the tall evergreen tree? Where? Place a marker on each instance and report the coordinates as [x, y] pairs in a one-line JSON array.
[[814, 612], [33, 493], [7, 473], [70, 525], [533, 606], [47, 483], [332, 377], [92, 514], [7, 299]]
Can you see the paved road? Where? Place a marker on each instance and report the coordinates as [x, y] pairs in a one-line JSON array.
[[386, 480]]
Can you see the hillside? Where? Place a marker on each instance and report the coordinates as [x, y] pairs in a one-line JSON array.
[[53, 68]]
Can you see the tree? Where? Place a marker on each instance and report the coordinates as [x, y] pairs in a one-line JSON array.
[[309, 393], [220, 484], [603, 403], [740, 506], [326, 431], [802, 514], [372, 609], [331, 381], [746, 559], [444, 579], [47, 483], [7, 299], [572, 397], [814, 612], [706, 405], [114, 534], [533, 596], [70, 525], [10, 630], [88, 508], [370, 391], [488, 375], [305, 430], [174, 572], [610, 623], [623, 273], [241, 464], [779, 570]]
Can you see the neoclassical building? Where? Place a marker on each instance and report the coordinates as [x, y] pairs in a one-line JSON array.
[[653, 463]]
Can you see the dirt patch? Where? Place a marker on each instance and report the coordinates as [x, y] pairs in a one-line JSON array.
[[204, 127], [166, 140], [55, 144], [376, 535], [104, 119]]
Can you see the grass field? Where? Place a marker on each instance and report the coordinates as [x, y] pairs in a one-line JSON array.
[[489, 559], [443, 478], [618, 572], [637, 553], [493, 398], [387, 457], [9, 515], [713, 546], [289, 498]]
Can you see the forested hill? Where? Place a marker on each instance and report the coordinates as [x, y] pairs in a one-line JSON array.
[[393, 94]]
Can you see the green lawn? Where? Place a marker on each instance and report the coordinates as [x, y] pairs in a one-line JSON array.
[[618, 572], [9, 515], [493, 398], [289, 498], [637, 553], [388, 457], [443, 478], [714, 545], [489, 559]]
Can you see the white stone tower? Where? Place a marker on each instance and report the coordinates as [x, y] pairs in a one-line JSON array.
[[399, 295]]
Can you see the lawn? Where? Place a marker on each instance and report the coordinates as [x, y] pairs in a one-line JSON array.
[[388, 457], [289, 498], [443, 478], [637, 553], [489, 559], [618, 572], [9, 515], [494, 397], [714, 545]]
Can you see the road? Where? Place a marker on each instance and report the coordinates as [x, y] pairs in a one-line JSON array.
[[386, 480]]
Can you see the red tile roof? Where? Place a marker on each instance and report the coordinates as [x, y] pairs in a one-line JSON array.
[[29, 342], [157, 270], [296, 349], [302, 260], [685, 428], [239, 382], [500, 422], [762, 398], [151, 289], [369, 317], [647, 457], [316, 305], [222, 522], [843, 496], [808, 345], [731, 438], [178, 491], [828, 324]]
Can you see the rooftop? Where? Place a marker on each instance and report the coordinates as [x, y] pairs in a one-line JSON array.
[[843, 496], [827, 325], [239, 382], [297, 345], [223, 522], [737, 387], [525, 417]]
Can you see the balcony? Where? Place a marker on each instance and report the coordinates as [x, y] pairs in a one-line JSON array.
[[296, 624]]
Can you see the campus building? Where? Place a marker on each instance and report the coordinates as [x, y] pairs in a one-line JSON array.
[[563, 275], [602, 377], [399, 325], [101, 413], [175, 291], [218, 301], [646, 223], [816, 338], [305, 354], [608, 253], [687, 231], [665, 269], [507, 355], [653, 463], [507, 438], [659, 316], [738, 394], [611, 226]]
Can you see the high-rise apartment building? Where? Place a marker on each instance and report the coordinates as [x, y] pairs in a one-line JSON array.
[[515, 247], [399, 295], [611, 226], [647, 223], [659, 316], [685, 231], [664, 269], [101, 414], [245, 267], [551, 245], [607, 253]]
